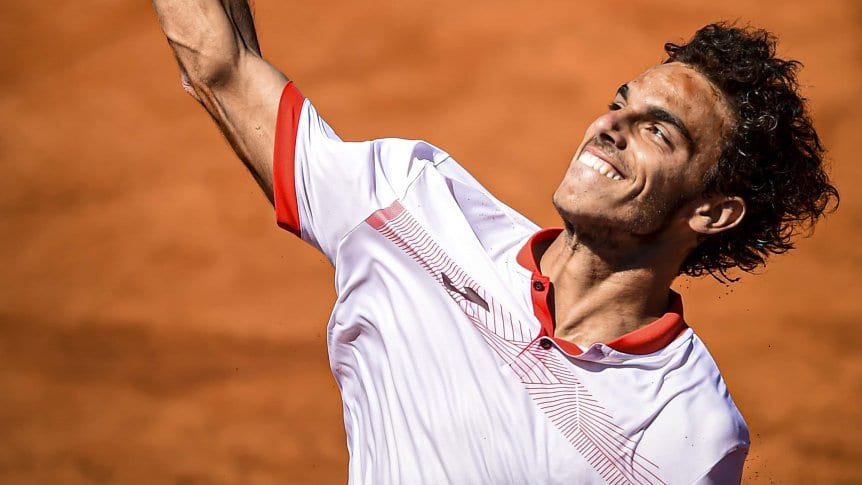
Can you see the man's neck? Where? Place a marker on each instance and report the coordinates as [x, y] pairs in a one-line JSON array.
[[597, 300]]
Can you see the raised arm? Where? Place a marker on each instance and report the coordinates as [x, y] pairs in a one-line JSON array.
[[216, 46]]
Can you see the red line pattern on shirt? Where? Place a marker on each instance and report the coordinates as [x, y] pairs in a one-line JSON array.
[[546, 375]]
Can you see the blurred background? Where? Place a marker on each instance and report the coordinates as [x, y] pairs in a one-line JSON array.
[[156, 326]]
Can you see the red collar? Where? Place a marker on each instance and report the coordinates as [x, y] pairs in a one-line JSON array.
[[645, 340]]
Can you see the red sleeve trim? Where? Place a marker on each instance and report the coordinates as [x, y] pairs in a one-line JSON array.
[[284, 157]]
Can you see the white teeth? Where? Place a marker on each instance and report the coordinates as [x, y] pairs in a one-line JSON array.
[[599, 165]]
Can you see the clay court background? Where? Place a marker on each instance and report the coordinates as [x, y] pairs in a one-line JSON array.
[[155, 325]]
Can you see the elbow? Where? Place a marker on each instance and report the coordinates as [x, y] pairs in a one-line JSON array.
[[186, 84], [211, 73], [201, 78], [205, 66], [205, 42]]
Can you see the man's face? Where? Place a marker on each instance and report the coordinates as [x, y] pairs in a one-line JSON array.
[[641, 165]]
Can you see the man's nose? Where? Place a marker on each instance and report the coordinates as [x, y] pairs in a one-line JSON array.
[[609, 129]]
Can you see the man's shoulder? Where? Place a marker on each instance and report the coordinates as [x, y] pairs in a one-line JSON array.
[[714, 392], [696, 419], [695, 372], [704, 404]]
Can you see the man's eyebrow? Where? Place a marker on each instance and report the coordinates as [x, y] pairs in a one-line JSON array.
[[663, 115]]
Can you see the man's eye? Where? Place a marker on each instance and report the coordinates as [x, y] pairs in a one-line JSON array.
[[655, 130], [615, 106]]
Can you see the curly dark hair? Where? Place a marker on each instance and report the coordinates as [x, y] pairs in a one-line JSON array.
[[772, 158]]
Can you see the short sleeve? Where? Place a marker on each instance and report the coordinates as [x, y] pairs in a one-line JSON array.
[[324, 187]]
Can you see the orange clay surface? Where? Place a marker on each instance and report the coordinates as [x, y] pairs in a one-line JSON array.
[[156, 326]]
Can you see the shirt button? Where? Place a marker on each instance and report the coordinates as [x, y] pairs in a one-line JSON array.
[[538, 286], [545, 344]]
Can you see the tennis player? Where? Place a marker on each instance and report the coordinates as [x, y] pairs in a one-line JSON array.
[[471, 346]]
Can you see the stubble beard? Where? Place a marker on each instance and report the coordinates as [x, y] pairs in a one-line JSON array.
[[617, 241]]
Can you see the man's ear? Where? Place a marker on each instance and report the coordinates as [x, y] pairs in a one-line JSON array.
[[716, 214]]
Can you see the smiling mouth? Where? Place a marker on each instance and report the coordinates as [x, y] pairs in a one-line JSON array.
[[598, 164]]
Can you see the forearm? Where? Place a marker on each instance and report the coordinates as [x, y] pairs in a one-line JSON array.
[[208, 37], [216, 47]]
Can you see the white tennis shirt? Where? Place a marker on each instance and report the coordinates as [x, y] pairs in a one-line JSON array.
[[442, 343]]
